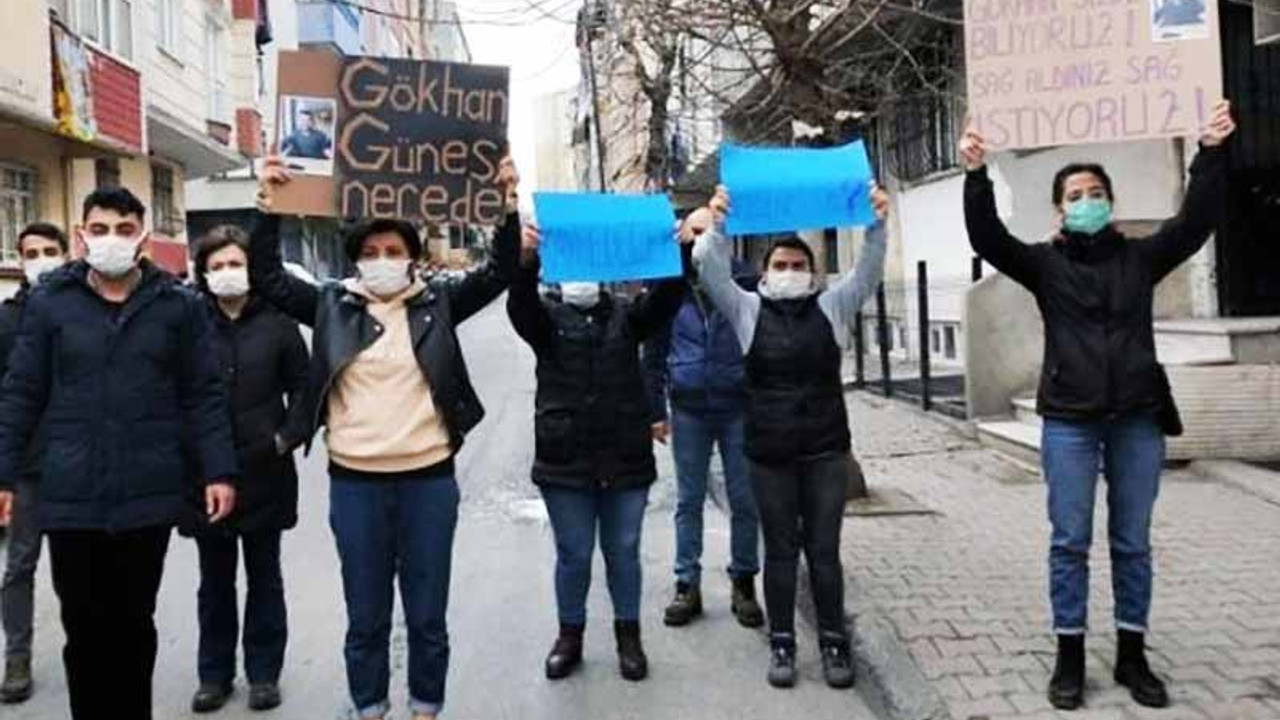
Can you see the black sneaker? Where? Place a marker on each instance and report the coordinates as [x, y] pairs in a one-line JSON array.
[[837, 664], [1066, 687], [686, 606], [17, 686], [211, 697], [782, 666], [264, 696], [1133, 672]]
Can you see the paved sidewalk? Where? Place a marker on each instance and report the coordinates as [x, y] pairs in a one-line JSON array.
[[966, 589]]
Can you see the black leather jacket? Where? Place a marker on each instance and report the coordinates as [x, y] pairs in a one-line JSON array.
[[343, 328]]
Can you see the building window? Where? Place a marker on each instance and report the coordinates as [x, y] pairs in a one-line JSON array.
[[831, 250], [936, 334], [168, 14], [61, 8], [106, 173], [109, 23], [215, 68], [18, 207], [164, 204], [950, 333]]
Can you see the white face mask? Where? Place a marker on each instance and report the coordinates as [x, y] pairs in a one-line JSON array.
[[112, 255], [385, 277], [229, 282], [787, 284], [41, 265], [580, 294]]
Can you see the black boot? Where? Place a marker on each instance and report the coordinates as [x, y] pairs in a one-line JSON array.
[[1133, 672], [631, 658], [211, 697], [1066, 688], [686, 605], [744, 605], [837, 661], [264, 696], [566, 654], [782, 663]]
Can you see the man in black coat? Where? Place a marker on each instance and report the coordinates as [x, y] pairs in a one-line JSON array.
[[41, 248], [114, 359]]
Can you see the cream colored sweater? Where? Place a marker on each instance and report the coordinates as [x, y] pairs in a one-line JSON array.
[[382, 417]]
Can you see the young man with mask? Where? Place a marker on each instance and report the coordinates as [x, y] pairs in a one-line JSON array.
[[42, 248], [594, 448], [696, 363], [114, 362], [389, 383], [797, 425]]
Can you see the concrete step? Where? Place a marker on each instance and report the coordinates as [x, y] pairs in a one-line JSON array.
[[1024, 411], [1218, 341], [1017, 439]]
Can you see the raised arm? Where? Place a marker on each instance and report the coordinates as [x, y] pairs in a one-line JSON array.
[[713, 258], [654, 310], [842, 301], [292, 295], [1205, 206], [990, 239], [479, 288]]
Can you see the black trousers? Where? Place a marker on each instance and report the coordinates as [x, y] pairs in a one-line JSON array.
[[107, 584], [802, 508], [266, 619]]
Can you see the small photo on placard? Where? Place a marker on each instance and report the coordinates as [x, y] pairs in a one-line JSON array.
[[306, 133], [1173, 20]]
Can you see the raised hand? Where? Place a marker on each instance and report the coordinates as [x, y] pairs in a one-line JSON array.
[[880, 201], [973, 149], [530, 241], [720, 205], [508, 183], [274, 175], [1221, 125]]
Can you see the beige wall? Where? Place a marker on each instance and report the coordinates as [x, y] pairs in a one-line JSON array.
[[26, 59]]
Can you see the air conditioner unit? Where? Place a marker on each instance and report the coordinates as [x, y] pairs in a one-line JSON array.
[[1266, 22]]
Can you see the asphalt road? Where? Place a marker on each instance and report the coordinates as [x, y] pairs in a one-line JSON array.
[[502, 613]]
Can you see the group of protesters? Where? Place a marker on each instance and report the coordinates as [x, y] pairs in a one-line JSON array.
[[133, 403]]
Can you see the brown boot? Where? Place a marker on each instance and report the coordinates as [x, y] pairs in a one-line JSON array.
[[744, 604], [17, 685]]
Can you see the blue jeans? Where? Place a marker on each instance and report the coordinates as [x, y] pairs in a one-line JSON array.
[[18, 589], [692, 439], [1130, 452], [266, 623], [401, 527], [575, 515]]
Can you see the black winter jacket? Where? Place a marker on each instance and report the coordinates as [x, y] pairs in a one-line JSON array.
[[10, 323], [592, 422], [1095, 295], [795, 405], [264, 360], [344, 329], [119, 389]]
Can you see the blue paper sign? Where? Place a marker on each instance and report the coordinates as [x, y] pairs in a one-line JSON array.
[[606, 238], [787, 189]]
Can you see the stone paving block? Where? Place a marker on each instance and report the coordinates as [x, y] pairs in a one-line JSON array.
[[983, 709], [1192, 691], [1254, 656], [956, 648], [952, 689], [1193, 673], [981, 687], [1238, 673], [1238, 710], [1175, 712], [964, 665], [1009, 663]]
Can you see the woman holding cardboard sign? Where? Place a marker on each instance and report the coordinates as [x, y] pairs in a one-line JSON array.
[[387, 339], [797, 426], [1104, 397], [594, 458]]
